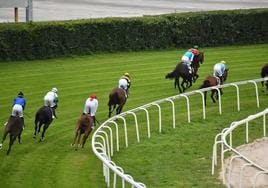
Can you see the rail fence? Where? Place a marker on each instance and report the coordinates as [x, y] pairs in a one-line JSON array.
[[104, 137], [225, 146]]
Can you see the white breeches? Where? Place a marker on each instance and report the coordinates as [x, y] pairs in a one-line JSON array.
[[17, 110], [122, 84], [49, 101], [91, 106], [217, 70], [186, 61]]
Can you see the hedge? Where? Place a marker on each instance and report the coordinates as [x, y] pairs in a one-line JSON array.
[[40, 40]]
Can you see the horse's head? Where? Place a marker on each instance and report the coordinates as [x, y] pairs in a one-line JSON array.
[[200, 57]]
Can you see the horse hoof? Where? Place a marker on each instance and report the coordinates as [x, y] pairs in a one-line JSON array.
[[1, 145], [34, 136]]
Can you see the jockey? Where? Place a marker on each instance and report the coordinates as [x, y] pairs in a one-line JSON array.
[[91, 106], [194, 50], [51, 100], [124, 83], [187, 59], [218, 70], [19, 104]]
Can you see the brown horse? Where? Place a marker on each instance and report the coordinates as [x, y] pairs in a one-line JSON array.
[[264, 73], [181, 70], [43, 117], [214, 81], [84, 126], [196, 64], [14, 128], [118, 98]]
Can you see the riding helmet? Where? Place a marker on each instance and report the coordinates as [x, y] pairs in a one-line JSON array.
[[127, 75], [20, 94], [93, 96], [55, 90]]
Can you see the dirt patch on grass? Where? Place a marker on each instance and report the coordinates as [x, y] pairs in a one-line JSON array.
[[257, 152]]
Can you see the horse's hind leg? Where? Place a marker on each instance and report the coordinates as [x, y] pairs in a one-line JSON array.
[[12, 139], [36, 128], [3, 139], [110, 111], [19, 138], [43, 133], [75, 137], [119, 109], [78, 139], [213, 92], [85, 137]]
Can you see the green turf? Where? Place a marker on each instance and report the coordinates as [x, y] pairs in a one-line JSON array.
[[178, 157]]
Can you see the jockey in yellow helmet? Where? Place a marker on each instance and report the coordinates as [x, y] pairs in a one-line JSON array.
[[124, 82]]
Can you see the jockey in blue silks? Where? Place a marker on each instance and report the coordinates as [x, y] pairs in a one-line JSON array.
[[18, 106], [218, 70], [187, 59]]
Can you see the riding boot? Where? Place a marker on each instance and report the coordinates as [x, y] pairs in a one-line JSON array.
[[54, 113]]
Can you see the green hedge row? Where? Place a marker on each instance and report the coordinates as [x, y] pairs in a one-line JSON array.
[[40, 40]]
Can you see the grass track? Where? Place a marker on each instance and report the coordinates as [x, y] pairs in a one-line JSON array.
[[181, 157]]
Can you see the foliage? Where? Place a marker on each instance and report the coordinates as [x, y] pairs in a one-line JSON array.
[[39, 40]]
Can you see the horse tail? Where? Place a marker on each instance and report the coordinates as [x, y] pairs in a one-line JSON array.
[[170, 75], [205, 84]]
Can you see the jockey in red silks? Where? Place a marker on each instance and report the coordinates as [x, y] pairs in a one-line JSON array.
[[194, 50], [91, 106]]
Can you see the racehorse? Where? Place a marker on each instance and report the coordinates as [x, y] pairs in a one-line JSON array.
[[196, 64], [181, 70], [118, 98], [84, 126], [14, 127], [43, 117], [264, 73], [214, 81]]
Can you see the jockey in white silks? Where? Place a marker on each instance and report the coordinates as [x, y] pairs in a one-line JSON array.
[[51, 100], [218, 71], [124, 83], [91, 106]]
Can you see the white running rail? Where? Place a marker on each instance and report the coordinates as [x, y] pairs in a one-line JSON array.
[[225, 146], [103, 137]]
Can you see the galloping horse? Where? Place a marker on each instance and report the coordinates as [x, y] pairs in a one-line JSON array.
[[196, 64], [181, 70], [14, 127], [84, 126], [43, 117], [264, 73], [213, 81], [116, 97]]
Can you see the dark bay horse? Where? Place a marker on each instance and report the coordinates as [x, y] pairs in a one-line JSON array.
[[213, 81], [196, 64], [264, 73], [14, 128], [42, 117], [118, 98], [181, 70], [84, 126]]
